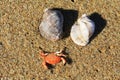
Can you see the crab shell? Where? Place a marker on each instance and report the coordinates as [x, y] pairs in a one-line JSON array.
[[52, 59], [51, 26], [82, 30]]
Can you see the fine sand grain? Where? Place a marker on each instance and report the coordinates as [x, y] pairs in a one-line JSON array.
[[20, 41]]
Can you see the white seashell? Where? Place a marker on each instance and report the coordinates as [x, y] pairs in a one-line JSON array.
[[51, 26], [82, 30]]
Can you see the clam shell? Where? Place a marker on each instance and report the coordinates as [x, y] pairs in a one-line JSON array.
[[51, 26], [82, 30]]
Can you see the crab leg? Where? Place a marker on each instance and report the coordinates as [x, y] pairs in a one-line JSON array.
[[63, 60], [44, 65]]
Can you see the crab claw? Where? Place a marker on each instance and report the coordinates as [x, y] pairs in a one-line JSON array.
[[42, 54], [61, 54], [59, 51]]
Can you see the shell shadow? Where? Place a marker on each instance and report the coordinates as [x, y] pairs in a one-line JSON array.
[[100, 24], [70, 16]]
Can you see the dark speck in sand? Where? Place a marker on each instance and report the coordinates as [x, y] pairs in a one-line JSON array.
[[1, 44], [72, 0]]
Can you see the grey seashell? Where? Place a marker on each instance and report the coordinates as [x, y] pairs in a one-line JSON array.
[[51, 26], [82, 30]]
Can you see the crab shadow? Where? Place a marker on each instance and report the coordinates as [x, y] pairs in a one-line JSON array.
[[67, 58], [70, 16], [100, 24]]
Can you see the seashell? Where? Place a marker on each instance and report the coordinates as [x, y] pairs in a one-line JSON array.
[[82, 30], [51, 26]]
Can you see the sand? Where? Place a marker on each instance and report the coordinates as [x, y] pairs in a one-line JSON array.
[[20, 41]]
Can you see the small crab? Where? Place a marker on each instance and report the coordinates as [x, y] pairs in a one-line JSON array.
[[52, 58]]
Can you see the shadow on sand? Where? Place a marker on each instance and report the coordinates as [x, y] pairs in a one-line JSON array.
[[100, 24], [70, 16]]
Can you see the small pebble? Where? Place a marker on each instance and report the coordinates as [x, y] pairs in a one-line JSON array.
[[111, 47]]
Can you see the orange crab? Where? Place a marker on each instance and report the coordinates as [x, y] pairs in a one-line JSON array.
[[52, 58]]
